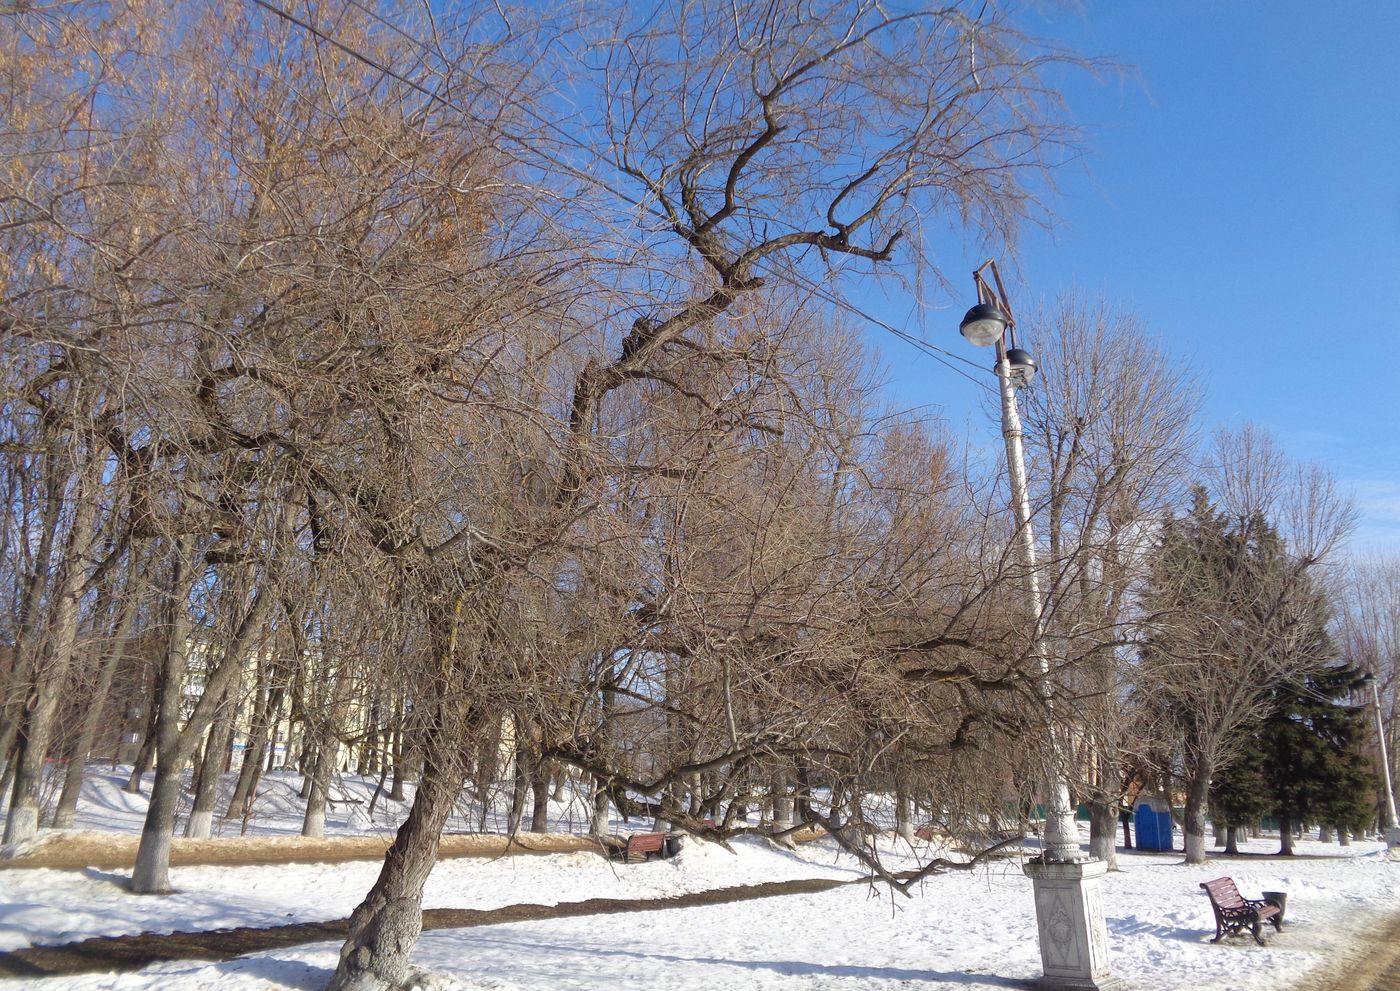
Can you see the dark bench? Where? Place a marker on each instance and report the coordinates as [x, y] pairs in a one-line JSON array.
[[644, 845], [1235, 913]]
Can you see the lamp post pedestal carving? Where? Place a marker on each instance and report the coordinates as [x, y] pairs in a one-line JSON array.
[[1070, 922]]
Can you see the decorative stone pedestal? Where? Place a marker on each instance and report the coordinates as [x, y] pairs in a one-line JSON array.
[[1069, 917]]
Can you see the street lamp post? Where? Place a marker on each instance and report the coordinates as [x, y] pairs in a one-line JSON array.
[[1392, 826], [1068, 896]]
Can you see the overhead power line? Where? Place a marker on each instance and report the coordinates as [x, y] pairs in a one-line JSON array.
[[941, 355]]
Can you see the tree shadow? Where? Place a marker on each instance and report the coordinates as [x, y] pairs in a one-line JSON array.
[[1133, 926], [277, 971], [789, 968]]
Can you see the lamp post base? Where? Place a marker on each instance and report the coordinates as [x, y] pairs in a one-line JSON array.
[[1392, 842], [1070, 922]]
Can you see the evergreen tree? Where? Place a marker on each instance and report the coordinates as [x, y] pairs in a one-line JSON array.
[[1316, 769], [1233, 616], [1242, 794]]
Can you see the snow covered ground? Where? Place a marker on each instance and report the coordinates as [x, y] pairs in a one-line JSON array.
[[971, 930]]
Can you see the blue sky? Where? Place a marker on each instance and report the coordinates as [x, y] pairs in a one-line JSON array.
[[1241, 192]]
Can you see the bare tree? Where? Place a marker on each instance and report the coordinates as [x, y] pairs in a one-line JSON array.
[[1368, 632], [1236, 601], [554, 406], [1110, 425]]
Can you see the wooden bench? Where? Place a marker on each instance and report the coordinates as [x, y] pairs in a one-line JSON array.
[[1235, 913], [645, 845]]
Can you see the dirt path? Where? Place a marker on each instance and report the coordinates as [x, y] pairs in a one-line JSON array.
[[105, 851], [1374, 964], [116, 953]]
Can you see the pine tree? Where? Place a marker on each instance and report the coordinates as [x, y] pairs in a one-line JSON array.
[[1234, 616], [1316, 769], [1242, 794]]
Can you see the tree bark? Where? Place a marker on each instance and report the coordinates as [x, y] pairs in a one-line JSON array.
[[396, 782], [67, 810], [259, 735], [518, 794], [385, 926], [49, 676], [598, 824], [1194, 821], [904, 815], [1103, 830], [151, 874], [782, 803], [27, 637], [1232, 840], [146, 753], [314, 822], [539, 815], [201, 821], [1285, 836], [174, 745]]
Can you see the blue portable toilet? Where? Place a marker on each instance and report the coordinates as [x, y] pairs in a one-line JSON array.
[[1153, 821]]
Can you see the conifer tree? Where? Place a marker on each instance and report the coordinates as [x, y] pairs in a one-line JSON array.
[[1315, 768], [1235, 615]]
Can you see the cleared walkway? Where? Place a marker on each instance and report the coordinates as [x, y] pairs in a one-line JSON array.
[[109, 953]]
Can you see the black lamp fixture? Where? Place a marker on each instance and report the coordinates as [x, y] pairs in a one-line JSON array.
[[984, 324], [1022, 367]]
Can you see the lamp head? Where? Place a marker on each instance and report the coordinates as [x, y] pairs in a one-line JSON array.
[[984, 324], [1022, 367]]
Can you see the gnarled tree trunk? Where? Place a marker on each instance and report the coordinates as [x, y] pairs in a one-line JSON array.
[[385, 926]]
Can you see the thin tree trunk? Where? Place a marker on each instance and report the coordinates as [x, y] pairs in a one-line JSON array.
[[782, 803], [272, 743], [27, 639], [517, 798], [67, 810], [175, 745], [146, 753], [250, 769], [803, 798], [314, 822], [378, 789], [396, 782], [151, 874], [310, 760], [904, 815], [201, 821], [41, 708]]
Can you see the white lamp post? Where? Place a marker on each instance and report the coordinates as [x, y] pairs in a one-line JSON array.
[[1392, 826], [1068, 897]]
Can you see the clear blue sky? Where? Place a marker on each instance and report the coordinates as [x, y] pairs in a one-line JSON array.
[[1241, 193]]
